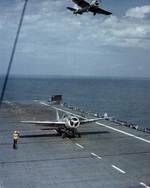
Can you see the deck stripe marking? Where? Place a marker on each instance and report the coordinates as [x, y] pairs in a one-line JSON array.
[[107, 126], [118, 169], [123, 132], [44, 103], [95, 155], [141, 183], [79, 145]]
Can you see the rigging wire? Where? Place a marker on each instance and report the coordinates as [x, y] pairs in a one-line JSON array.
[[12, 53]]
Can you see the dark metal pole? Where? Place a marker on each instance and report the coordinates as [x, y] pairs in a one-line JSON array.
[[12, 53]]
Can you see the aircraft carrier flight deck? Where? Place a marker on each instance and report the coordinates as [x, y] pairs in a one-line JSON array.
[[106, 156]]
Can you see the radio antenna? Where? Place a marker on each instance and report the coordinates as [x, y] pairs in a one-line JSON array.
[[12, 53]]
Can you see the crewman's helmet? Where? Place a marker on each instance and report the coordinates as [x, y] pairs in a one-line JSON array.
[[15, 131]]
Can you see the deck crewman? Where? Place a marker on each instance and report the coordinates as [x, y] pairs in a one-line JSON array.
[[15, 139]]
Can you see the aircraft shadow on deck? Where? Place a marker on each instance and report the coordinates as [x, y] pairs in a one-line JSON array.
[[56, 135], [38, 135], [93, 132]]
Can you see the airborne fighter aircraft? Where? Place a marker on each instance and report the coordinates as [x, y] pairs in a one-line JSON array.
[[84, 6], [66, 126]]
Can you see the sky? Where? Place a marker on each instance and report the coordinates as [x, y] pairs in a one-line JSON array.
[[53, 41]]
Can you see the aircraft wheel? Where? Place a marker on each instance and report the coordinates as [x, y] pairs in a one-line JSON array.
[[79, 135], [59, 132], [63, 135]]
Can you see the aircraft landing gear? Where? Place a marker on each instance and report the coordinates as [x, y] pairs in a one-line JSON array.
[[64, 135], [79, 135], [59, 132], [76, 133], [70, 133]]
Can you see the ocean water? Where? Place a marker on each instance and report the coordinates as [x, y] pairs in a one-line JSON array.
[[124, 99]]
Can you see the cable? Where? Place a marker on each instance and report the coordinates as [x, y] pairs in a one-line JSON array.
[[12, 53]]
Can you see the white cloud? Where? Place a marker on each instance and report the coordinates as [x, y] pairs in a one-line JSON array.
[[1, 25], [139, 12], [61, 27], [112, 31], [51, 34], [51, 24]]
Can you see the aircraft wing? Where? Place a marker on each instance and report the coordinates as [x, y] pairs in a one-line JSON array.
[[46, 123], [89, 120], [101, 11], [81, 3], [70, 8]]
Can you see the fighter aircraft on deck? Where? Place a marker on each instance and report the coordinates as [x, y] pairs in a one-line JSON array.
[[66, 126], [84, 6]]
